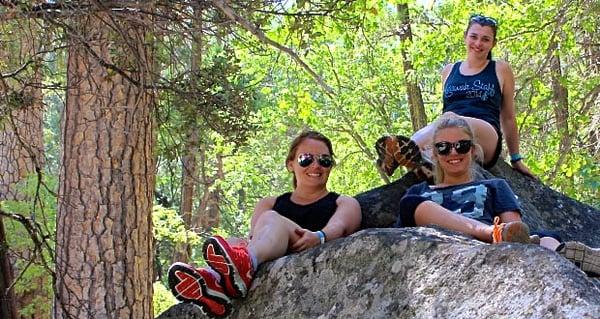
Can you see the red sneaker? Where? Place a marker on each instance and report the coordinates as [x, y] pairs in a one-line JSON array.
[[233, 263], [200, 287]]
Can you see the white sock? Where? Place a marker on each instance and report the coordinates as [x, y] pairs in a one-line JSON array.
[[214, 273], [253, 258]]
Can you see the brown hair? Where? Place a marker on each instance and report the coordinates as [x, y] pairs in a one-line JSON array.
[[306, 134], [449, 120], [484, 22]]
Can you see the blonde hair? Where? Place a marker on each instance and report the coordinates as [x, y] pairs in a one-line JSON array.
[[451, 120]]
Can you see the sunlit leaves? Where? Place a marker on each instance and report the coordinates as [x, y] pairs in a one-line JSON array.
[[168, 225]]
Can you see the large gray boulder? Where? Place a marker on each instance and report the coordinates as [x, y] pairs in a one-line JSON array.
[[416, 273], [430, 273]]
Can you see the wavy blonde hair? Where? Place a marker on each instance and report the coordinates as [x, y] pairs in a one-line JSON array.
[[450, 120]]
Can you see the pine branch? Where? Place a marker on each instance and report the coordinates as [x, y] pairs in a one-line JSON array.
[[248, 26]]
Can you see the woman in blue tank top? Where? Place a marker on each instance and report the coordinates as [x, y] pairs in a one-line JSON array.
[[478, 89], [304, 218]]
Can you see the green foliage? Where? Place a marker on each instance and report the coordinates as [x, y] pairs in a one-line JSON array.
[[162, 298], [169, 231], [248, 100], [359, 56], [34, 282], [31, 264], [168, 226]]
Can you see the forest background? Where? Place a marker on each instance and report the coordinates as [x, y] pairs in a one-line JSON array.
[[116, 111]]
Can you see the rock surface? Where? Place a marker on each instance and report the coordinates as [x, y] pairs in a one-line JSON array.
[[416, 273], [430, 273]]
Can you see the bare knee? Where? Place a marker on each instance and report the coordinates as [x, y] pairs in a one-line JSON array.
[[549, 243], [486, 136], [424, 136], [274, 219], [268, 217]]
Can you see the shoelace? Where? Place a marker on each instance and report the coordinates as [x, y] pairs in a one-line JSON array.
[[238, 252], [497, 231], [241, 251]]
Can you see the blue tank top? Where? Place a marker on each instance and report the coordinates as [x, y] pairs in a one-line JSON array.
[[476, 95], [313, 216]]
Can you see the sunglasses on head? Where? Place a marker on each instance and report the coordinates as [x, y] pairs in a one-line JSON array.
[[305, 159], [461, 147], [483, 20]]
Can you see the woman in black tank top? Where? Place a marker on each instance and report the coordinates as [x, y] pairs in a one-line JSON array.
[[479, 90], [307, 217]]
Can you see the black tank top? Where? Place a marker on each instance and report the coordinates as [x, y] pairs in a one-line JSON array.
[[476, 95], [313, 216]]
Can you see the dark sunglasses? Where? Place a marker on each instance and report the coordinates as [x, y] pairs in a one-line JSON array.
[[483, 20], [461, 147], [305, 159]]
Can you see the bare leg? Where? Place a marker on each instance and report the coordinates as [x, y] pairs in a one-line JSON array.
[[549, 243], [484, 131], [430, 213], [273, 235]]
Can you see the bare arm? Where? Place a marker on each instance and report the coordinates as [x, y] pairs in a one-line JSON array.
[[262, 206], [445, 72], [345, 220], [507, 114]]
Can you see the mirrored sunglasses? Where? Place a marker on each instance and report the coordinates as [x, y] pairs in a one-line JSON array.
[[483, 20], [461, 147], [305, 159]]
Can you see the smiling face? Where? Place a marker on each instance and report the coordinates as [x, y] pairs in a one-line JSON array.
[[479, 40], [314, 175], [454, 165]]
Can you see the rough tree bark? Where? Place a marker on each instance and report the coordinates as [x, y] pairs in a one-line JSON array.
[[104, 235]]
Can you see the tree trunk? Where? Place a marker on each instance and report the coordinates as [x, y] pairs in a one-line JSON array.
[[209, 212], [189, 171], [104, 236], [592, 50], [560, 98], [413, 91], [8, 308], [189, 162], [21, 154]]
